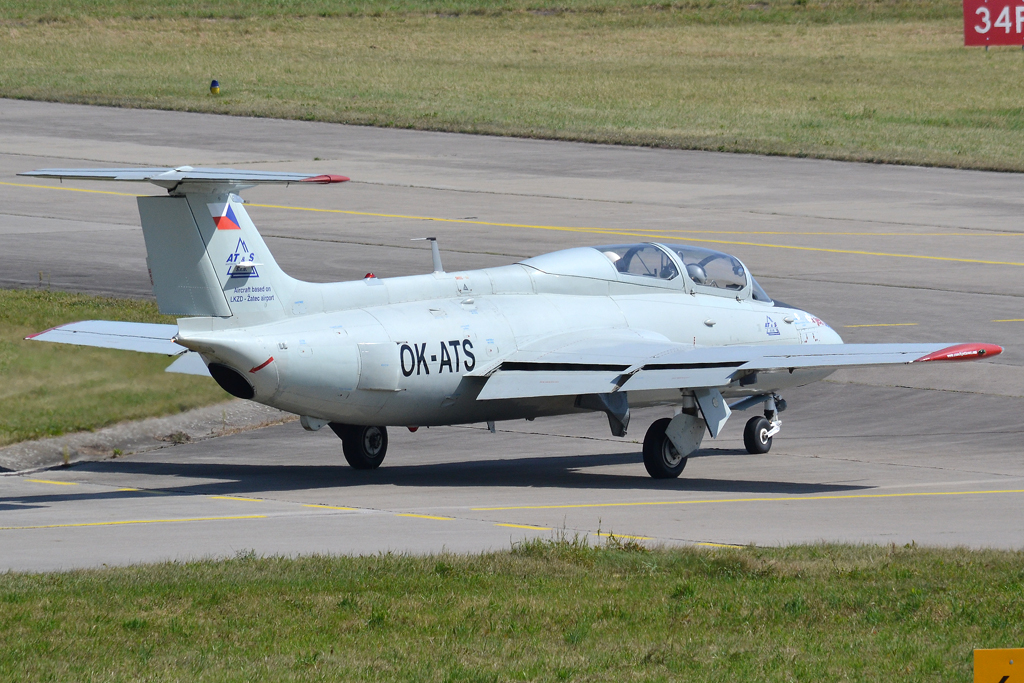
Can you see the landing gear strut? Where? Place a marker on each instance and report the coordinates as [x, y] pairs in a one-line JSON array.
[[758, 433], [364, 447]]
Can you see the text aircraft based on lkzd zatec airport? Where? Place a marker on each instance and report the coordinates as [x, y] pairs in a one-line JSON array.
[[604, 328]]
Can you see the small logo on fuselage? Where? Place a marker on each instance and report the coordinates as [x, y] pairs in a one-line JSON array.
[[771, 328]]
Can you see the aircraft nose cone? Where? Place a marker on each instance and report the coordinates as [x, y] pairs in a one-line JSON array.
[[830, 336], [815, 330]]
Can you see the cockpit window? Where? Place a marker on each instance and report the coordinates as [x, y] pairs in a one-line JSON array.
[[645, 260], [758, 292], [713, 268]]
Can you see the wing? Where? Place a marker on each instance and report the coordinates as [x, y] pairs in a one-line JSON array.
[[142, 337], [612, 363]]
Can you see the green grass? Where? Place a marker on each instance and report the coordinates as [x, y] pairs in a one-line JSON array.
[[546, 611], [881, 81], [695, 11], [51, 389]]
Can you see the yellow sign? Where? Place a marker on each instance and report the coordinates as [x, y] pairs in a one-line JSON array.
[[999, 666]]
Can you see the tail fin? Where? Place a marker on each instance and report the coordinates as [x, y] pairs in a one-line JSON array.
[[204, 254], [206, 258]]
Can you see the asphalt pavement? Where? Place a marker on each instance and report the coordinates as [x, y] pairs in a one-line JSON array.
[[930, 455]]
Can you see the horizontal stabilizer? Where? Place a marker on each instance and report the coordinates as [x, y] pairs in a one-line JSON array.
[[171, 178], [110, 334], [189, 363]]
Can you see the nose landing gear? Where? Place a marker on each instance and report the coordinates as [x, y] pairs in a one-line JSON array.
[[758, 432]]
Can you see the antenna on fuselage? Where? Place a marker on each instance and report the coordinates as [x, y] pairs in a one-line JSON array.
[[435, 253]]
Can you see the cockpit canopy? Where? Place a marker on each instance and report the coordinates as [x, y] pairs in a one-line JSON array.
[[646, 260], [704, 267], [694, 268]]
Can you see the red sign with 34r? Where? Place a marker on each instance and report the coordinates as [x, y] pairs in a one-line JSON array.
[[993, 22]]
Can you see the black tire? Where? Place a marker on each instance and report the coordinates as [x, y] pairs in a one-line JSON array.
[[364, 447], [661, 458], [755, 436]]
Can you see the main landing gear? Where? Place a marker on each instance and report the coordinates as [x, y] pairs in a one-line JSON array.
[[669, 442], [759, 431], [364, 447], [661, 458]]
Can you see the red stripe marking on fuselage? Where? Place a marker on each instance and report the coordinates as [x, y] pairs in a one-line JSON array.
[[263, 364]]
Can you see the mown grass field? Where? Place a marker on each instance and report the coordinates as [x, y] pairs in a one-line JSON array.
[[879, 80], [50, 389], [546, 611]]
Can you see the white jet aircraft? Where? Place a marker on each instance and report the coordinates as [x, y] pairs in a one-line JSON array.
[[604, 328]]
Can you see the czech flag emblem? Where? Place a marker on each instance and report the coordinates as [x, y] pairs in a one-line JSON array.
[[224, 217]]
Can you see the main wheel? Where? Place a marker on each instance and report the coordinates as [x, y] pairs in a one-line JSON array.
[[364, 447], [661, 458], [755, 435]]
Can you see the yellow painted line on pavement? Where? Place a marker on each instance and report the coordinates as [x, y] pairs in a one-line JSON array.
[[55, 483], [1010, 320], [595, 231], [73, 189], [642, 234], [750, 500], [800, 233], [247, 500], [524, 526], [329, 507], [719, 545], [623, 536], [409, 514], [132, 521], [884, 325]]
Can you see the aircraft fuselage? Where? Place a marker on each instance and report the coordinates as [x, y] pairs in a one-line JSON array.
[[412, 350]]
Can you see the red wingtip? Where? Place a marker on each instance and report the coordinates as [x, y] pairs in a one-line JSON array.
[[33, 336], [326, 179], [963, 352]]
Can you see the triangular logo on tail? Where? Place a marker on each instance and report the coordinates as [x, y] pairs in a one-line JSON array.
[[223, 216], [242, 263]]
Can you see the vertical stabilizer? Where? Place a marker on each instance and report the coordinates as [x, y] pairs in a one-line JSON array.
[[204, 254], [252, 282], [183, 276], [206, 258]]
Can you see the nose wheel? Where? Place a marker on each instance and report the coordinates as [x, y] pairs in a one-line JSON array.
[[759, 431], [755, 435]]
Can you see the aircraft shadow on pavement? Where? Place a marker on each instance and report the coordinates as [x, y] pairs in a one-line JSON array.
[[10, 507], [552, 472]]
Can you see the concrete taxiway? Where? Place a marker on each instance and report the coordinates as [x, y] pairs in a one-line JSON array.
[[883, 253]]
